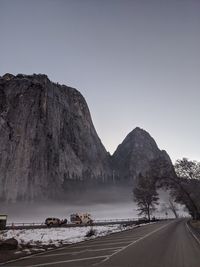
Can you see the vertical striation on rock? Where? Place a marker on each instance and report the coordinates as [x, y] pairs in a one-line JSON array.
[[47, 138]]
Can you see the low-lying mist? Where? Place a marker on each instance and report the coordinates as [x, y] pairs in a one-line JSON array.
[[114, 203]]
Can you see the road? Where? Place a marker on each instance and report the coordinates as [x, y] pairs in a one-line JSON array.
[[162, 244]]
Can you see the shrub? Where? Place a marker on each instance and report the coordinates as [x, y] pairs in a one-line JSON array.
[[90, 233]]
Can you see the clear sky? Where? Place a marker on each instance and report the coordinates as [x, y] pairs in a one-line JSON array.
[[137, 62]]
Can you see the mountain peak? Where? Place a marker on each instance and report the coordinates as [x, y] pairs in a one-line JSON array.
[[139, 138], [138, 129], [138, 132], [47, 131], [136, 154]]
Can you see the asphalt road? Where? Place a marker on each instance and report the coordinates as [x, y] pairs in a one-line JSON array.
[[163, 244]]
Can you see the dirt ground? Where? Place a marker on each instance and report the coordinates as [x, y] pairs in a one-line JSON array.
[[196, 227], [195, 224]]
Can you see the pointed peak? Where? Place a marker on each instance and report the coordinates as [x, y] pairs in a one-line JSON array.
[[8, 76], [138, 132], [138, 129], [138, 140]]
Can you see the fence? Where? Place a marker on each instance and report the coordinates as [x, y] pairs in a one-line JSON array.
[[33, 225]]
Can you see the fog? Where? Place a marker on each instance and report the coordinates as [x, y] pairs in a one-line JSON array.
[[119, 205], [39, 212], [104, 203]]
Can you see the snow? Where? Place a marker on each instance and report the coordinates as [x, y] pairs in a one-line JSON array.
[[58, 236]]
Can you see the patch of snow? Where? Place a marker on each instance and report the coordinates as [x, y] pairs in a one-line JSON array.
[[38, 249], [59, 236], [27, 251]]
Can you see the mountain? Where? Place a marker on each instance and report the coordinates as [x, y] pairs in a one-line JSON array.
[[49, 147], [47, 138], [139, 154]]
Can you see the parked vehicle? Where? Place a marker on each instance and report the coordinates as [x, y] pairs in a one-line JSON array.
[[84, 218], [3, 219], [55, 222]]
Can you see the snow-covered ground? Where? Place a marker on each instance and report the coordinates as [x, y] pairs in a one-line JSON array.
[[58, 236]]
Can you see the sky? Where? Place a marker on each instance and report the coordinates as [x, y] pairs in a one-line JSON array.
[[136, 62]]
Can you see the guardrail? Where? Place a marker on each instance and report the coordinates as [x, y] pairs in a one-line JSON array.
[[33, 225], [43, 225], [24, 224], [114, 220], [95, 221]]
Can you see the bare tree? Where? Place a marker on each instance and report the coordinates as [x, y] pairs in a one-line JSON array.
[[170, 206], [173, 207], [145, 195]]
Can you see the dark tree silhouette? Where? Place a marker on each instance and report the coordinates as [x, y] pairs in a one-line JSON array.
[[183, 184], [145, 195]]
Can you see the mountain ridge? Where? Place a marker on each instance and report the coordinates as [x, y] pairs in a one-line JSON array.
[[49, 145]]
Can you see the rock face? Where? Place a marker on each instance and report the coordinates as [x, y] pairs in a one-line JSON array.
[[46, 138], [139, 154], [49, 146]]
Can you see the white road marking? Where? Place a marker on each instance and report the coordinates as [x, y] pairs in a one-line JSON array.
[[141, 238], [94, 245], [112, 240], [75, 253], [74, 260], [191, 232]]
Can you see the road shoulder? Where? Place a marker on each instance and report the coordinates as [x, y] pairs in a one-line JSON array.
[[194, 229]]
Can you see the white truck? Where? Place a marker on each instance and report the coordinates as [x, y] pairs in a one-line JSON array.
[[84, 218]]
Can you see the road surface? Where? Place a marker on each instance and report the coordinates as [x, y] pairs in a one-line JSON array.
[[162, 244]]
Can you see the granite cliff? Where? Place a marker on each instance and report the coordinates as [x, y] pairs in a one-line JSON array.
[[47, 138], [48, 144]]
